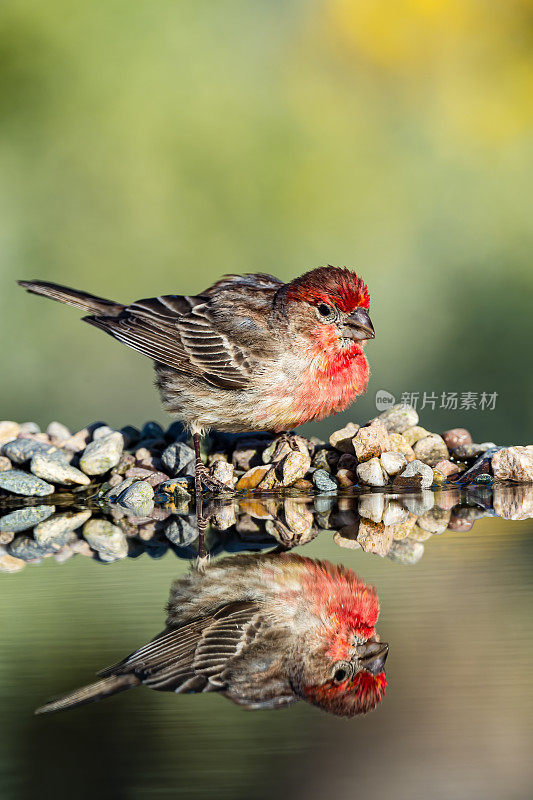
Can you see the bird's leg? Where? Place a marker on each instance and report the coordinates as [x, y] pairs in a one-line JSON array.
[[202, 478], [201, 522]]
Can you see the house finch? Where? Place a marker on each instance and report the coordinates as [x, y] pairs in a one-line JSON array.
[[250, 352], [265, 631]]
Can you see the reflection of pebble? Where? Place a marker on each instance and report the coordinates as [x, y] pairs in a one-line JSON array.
[[54, 528], [19, 482], [106, 539], [181, 531], [406, 552], [24, 518]]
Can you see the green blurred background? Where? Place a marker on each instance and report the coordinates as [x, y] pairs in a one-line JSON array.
[[150, 147]]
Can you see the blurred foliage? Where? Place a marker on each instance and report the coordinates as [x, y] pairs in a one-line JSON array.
[[148, 148]]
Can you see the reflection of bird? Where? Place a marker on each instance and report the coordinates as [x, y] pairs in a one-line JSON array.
[[249, 353], [264, 630]]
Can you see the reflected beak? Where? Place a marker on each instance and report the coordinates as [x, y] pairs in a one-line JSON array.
[[358, 325], [372, 656]]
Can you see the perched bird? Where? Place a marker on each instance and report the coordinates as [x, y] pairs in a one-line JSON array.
[[250, 353], [265, 631]]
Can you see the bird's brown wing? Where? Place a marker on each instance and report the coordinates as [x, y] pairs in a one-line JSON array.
[[194, 656], [181, 333]]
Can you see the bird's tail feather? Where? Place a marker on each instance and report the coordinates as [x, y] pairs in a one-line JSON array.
[[73, 297], [89, 694]]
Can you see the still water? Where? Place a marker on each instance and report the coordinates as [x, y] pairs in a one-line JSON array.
[[455, 603]]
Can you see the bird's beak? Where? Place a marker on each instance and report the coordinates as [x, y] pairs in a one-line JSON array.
[[358, 325], [372, 656]]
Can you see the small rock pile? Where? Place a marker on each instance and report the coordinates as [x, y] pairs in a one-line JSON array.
[[133, 468]]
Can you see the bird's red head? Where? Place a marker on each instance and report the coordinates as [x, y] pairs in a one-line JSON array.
[[337, 286], [344, 670]]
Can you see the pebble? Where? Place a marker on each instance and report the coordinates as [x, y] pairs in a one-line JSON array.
[[460, 524], [399, 445], [431, 449], [180, 487], [468, 451], [148, 475], [24, 518], [372, 506], [282, 446], [414, 434], [181, 531], [371, 473], [510, 464], [53, 529], [103, 454], [392, 462], [5, 464], [139, 498], [415, 475], [101, 431], [455, 437], [303, 485], [347, 461], [29, 428], [342, 439], [246, 457], [8, 430], [21, 450], [294, 466], [374, 537], [326, 459], [223, 472], [346, 478], [19, 482], [399, 417], [419, 535], [447, 468], [57, 471], [78, 441], [406, 552], [104, 537], [346, 541], [130, 435], [371, 441], [176, 456], [323, 481], [252, 477], [58, 432]]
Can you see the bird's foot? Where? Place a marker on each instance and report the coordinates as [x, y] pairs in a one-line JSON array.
[[207, 483]]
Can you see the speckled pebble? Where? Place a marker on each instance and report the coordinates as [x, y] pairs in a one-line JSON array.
[[176, 456], [431, 449], [139, 498], [57, 471], [5, 464], [101, 455], [342, 439], [323, 481], [24, 518], [419, 503], [399, 417], [392, 462], [415, 475], [294, 466], [18, 482], [406, 552], [9, 563], [371, 473], [21, 450]]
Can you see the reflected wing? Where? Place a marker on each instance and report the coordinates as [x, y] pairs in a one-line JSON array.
[[180, 333], [193, 657]]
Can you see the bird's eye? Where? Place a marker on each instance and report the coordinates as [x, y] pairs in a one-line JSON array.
[[325, 311], [342, 671]]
